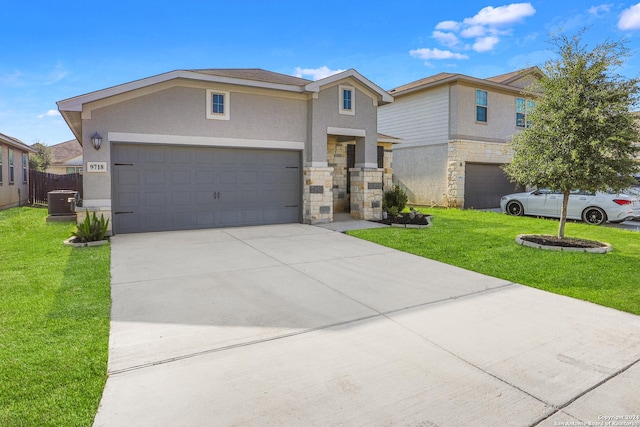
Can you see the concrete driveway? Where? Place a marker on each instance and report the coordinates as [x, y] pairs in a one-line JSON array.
[[292, 325]]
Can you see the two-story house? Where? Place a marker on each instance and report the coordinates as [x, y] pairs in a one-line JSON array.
[[14, 172], [455, 129], [212, 148]]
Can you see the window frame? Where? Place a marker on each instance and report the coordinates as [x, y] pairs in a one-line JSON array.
[[25, 170], [225, 104], [484, 106], [11, 166], [341, 100], [527, 105]]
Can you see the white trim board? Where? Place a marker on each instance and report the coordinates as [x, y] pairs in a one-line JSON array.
[[205, 141]]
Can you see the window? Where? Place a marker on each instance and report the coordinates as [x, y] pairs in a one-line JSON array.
[[10, 166], [0, 164], [347, 99], [25, 165], [481, 105], [217, 104], [74, 169], [523, 108]]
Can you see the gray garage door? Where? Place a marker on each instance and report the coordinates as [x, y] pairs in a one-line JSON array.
[[160, 187], [484, 185]]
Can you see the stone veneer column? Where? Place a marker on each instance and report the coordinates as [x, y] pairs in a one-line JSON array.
[[318, 195], [366, 193]]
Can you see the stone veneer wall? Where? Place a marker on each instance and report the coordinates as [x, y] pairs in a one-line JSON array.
[[317, 195], [461, 152], [366, 193], [387, 165], [337, 159]]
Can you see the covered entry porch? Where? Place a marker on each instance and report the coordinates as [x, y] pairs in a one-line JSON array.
[[347, 185]]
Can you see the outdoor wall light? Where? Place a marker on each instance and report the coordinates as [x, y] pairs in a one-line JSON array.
[[96, 140]]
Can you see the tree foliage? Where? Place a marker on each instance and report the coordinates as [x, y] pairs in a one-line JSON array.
[[41, 159], [583, 132]]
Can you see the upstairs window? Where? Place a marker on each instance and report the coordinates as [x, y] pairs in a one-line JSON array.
[[217, 105], [523, 108], [347, 100], [10, 165], [25, 165], [481, 106]]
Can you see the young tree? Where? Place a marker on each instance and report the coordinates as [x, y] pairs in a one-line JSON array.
[[41, 159], [582, 131]]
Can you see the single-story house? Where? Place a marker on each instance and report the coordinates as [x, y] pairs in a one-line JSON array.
[[66, 158], [14, 172], [455, 130], [209, 148]]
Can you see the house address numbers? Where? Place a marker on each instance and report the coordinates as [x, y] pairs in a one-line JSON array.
[[96, 167]]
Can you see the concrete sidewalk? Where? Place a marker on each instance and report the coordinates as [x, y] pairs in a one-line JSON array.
[[299, 325]]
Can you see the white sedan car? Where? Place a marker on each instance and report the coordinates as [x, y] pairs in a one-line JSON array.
[[592, 208]]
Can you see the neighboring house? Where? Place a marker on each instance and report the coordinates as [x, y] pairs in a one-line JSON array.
[[455, 129], [14, 172], [66, 158], [211, 148]]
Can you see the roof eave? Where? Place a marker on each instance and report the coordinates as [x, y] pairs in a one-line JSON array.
[[384, 97], [76, 103], [459, 77]]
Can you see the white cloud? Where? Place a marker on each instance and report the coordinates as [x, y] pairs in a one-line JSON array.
[[448, 26], [50, 113], [473, 31], [447, 39], [630, 18], [427, 54], [485, 28], [316, 73], [595, 10], [502, 15], [484, 44]]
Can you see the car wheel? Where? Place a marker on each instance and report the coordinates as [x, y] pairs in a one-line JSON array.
[[594, 216], [515, 208]]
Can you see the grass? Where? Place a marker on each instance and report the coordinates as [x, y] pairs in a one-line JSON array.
[[485, 242], [54, 323]]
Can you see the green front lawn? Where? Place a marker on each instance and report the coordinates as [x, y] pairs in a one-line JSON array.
[[54, 323], [485, 242]]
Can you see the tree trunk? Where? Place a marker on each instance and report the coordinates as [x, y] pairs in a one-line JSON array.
[[563, 214]]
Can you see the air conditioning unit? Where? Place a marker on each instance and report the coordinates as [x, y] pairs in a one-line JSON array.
[[59, 202]]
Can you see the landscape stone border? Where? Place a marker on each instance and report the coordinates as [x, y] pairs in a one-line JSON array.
[[70, 242], [601, 250]]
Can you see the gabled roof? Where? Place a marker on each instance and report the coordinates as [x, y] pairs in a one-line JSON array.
[[508, 78], [255, 74], [251, 77], [65, 151], [15, 142], [503, 81]]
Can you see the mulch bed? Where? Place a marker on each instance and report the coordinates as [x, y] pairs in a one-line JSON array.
[[405, 218], [567, 242]]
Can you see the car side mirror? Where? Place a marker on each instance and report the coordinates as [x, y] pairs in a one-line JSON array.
[[537, 192]]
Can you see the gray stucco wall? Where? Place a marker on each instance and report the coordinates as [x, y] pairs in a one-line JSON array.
[[422, 173], [324, 112], [181, 111]]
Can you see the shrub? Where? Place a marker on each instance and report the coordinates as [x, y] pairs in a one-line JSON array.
[[394, 198], [92, 228]]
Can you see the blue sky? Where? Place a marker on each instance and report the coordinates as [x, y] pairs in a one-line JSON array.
[[56, 50]]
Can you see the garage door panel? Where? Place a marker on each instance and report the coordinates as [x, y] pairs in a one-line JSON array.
[[155, 155], [484, 185], [154, 177], [154, 199], [169, 187]]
